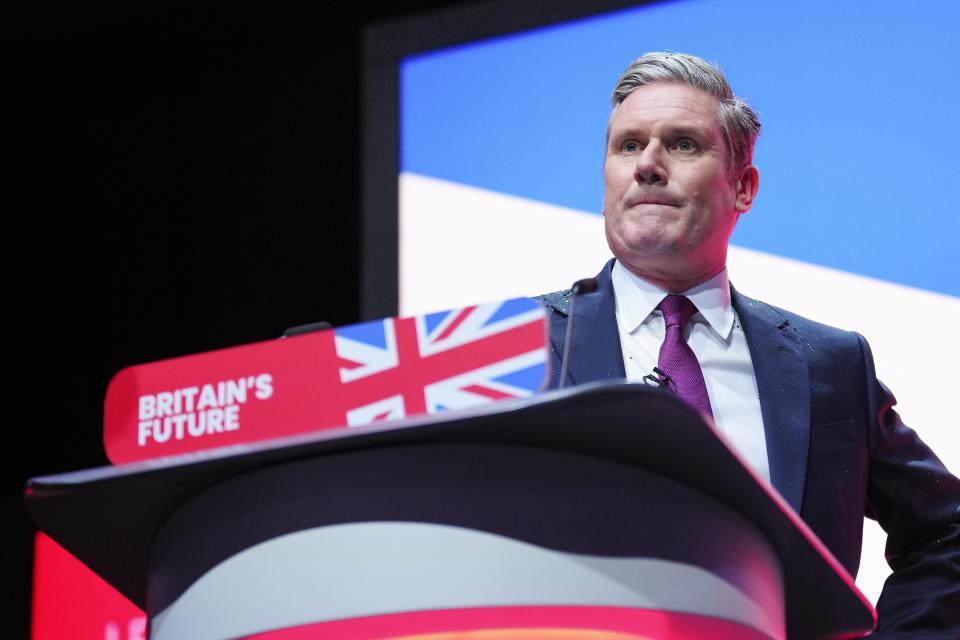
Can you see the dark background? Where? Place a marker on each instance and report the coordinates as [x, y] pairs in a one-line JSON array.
[[181, 176]]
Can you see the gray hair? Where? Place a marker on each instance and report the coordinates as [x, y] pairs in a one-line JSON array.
[[739, 121]]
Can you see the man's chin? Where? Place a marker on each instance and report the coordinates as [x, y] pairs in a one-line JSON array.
[[645, 248]]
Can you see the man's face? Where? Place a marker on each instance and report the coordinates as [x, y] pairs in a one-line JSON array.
[[670, 200]]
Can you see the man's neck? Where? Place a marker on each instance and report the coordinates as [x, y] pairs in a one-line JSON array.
[[673, 282]]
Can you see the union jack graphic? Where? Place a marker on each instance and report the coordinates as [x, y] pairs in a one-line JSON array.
[[454, 359]]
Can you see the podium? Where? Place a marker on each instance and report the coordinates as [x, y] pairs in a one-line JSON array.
[[611, 507]]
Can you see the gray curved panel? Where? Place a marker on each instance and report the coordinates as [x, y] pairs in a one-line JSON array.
[[365, 569]]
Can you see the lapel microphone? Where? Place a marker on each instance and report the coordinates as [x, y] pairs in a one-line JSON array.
[[658, 379], [580, 287]]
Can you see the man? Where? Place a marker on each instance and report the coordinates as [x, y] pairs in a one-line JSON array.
[[799, 400]]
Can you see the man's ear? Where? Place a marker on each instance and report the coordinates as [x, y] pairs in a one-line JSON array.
[[748, 183]]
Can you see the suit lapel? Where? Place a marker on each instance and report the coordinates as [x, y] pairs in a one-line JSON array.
[[595, 325], [783, 379], [783, 382]]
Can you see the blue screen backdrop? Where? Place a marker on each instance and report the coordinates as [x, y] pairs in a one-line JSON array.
[[859, 101]]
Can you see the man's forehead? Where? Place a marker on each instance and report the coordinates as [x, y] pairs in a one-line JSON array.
[[667, 103]]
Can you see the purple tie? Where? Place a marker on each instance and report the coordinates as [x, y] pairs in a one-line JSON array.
[[677, 360]]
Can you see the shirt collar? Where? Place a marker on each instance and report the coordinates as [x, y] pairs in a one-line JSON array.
[[637, 300]]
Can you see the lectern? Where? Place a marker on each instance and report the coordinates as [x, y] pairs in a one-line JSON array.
[[612, 509]]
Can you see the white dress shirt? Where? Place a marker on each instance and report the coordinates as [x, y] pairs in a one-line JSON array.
[[716, 337]]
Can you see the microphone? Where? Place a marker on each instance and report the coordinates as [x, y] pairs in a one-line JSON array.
[[580, 287], [300, 329], [661, 379]]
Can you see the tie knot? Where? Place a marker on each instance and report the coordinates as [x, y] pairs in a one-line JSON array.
[[677, 310]]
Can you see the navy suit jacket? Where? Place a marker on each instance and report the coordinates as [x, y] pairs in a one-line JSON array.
[[837, 450]]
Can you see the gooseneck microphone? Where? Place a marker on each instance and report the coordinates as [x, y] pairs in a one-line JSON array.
[[580, 287]]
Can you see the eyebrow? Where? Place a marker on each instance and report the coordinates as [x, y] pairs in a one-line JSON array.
[[669, 131]]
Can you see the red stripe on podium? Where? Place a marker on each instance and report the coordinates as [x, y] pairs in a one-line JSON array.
[[523, 623]]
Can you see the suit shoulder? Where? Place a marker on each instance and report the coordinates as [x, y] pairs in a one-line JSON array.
[[804, 330], [558, 301]]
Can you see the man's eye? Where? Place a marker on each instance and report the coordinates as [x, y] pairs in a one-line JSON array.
[[685, 144], [631, 146]]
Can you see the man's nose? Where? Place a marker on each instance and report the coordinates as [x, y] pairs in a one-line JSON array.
[[649, 168]]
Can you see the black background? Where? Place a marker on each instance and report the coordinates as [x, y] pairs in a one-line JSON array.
[[181, 176]]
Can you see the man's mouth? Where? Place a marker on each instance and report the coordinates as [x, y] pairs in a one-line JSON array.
[[656, 201]]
